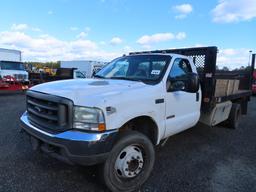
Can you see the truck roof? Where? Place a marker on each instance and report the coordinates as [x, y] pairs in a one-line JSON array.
[[203, 57], [170, 54]]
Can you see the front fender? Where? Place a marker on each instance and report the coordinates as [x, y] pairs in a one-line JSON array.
[[118, 120]]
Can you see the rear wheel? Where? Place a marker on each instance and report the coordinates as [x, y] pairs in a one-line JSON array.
[[130, 162], [234, 116]]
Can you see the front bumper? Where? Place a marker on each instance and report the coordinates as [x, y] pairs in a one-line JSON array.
[[74, 147]]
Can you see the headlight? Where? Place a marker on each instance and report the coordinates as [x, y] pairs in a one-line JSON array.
[[87, 118]]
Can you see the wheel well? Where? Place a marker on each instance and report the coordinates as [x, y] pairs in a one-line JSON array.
[[243, 104], [143, 124]]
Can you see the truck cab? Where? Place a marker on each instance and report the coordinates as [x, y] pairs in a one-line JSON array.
[[13, 69], [13, 76], [131, 105]]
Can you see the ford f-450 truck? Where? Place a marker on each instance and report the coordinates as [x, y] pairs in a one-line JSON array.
[[132, 104]]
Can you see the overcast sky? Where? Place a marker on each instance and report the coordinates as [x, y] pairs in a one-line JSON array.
[[50, 30]]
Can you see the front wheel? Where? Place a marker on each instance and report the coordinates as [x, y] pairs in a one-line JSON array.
[[129, 163]]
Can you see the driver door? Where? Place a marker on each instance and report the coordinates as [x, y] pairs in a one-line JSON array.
[[182, 108]]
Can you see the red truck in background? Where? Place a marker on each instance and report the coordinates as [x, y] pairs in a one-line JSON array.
[[13, 76], [254, 83]]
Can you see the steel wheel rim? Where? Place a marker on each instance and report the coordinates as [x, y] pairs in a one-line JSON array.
[[129, 162]]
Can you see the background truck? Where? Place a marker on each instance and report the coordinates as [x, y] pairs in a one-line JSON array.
[[13, 76], [134, 103], [88, 68]]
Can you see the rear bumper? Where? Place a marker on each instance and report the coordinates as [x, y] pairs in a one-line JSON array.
[[74, 147]]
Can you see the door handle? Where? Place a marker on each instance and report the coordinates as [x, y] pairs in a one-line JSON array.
[[197, 96], [157, 101]]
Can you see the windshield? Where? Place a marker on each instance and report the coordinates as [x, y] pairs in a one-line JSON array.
[[5, 65], [136, 67]]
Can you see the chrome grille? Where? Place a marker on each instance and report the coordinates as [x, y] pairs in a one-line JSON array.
[[49, 112]]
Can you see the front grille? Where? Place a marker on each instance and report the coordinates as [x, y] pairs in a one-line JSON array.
[[49, 112], [20, 77]]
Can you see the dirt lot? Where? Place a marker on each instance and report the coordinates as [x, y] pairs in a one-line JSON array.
[[199, 159]]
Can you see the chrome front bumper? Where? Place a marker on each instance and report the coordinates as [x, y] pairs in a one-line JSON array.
[[72, 146]]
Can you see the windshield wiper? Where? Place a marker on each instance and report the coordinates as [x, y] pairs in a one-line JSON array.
[[126, 78], [99, 76]]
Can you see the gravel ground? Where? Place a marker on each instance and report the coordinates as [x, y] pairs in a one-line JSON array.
[[199, 159]]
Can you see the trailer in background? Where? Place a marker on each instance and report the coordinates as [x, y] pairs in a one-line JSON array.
[[88, 68], [13, 76]]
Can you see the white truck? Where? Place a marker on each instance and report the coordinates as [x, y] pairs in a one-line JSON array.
[[131, 105], [88, 68], [13, 75], [10, 64]]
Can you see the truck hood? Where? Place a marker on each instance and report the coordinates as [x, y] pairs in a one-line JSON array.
[[87, 92]]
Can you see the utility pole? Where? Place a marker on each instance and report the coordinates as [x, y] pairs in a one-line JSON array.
[[249, 62]]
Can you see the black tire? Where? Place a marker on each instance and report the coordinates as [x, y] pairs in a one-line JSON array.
[[112, 178], [234, 116]]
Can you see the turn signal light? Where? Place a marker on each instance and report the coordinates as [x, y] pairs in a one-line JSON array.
[[102, 127]]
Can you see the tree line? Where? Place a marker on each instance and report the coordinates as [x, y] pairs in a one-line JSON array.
[[41, 65]]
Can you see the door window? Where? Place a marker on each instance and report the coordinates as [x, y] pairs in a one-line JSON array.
[[178, 73], [180, 68]]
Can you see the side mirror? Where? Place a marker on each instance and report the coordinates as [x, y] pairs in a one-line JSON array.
[[188, 83], [175, 84], [192, 84]]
